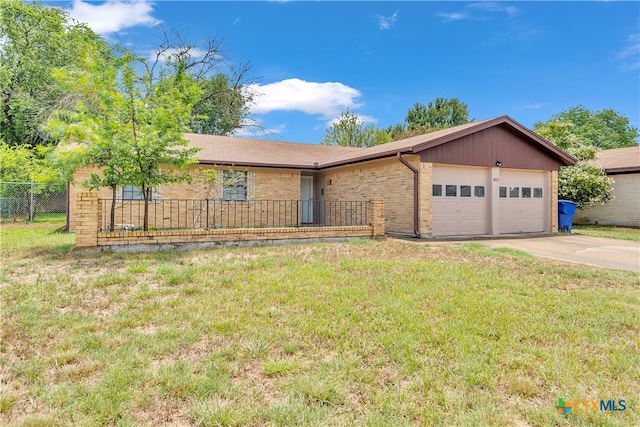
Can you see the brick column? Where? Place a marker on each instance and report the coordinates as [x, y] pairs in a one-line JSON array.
[[425, 215], [87, 217], [376, 206], [554, 201]]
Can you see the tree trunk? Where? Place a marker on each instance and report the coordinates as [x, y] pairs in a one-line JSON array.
[[112, 218]]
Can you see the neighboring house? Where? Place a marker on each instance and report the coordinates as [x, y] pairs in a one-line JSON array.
[[489, 177], [623, 165]]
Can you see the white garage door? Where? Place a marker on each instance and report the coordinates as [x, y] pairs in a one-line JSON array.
[[524, 197], [460, 202]]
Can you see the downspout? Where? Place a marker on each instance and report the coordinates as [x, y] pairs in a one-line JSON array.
[[416, 199], [68, 203]]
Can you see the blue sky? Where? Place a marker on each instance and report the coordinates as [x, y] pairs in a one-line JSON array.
[[313, 60]]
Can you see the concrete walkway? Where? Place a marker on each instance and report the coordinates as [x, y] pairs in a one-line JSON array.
[[596, 251]]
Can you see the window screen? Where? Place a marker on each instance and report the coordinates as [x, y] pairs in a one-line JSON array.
[[465, 191], [503, 191], [514, 192], [537, 193], [526, 192], [478, 191], [437, 190]]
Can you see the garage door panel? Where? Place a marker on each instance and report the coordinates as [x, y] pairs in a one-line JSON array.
[[460, 215], [523, 210]]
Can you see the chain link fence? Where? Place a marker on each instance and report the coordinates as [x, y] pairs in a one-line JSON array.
[[23, 201]]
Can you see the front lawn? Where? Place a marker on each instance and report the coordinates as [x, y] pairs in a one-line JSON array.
[[361, 333], [610, 231]]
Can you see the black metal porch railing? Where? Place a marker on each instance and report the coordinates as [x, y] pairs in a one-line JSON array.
[[172, 214]]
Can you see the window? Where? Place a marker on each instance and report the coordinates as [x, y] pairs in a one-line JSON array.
[[465, 191], [526, 192], [451, 190], [503, 191], [514, 192], [132, 192], [234, 187], [436, 190], [537, 193], [478, 191]]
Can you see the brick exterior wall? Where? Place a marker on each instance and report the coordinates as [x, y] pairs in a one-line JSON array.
[[271, 184], [623, 209], [425, 180], [386, 178], [88, 214]]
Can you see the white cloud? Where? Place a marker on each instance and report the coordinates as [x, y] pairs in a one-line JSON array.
[[630, 55], [387, 22], [453, 16], [326, 99], [113, 15], [252, 128], [490, 6], [194, 52], [362, 117]]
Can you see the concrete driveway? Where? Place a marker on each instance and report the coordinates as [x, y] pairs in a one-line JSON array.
[[597, 251]]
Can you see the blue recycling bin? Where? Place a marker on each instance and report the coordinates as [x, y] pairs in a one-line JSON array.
[[566, 210]]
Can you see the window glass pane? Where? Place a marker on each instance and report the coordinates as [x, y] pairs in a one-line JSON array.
[[503, 191], [537, 193], [478, 191], [526, 192], [437, 190], [131, 192], [234, 186], [451, 190], [465, 191], [514, 192]]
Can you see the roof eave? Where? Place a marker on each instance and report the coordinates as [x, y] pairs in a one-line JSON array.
[[621, 170]]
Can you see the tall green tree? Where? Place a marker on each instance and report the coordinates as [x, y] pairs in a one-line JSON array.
[[441, 113], [36, 40], [582, 133], [131, 125], [603, 129], [349, 130]]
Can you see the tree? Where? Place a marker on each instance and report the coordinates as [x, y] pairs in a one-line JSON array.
[[603, 129], [348, 130], [440, 113], [35, 41], [582, 133], [131, 124]]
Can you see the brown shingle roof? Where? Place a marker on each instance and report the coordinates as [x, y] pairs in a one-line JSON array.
[[257, 152], [619, 160], [226, 150]]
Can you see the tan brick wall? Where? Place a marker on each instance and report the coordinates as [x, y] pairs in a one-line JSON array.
[[554, 202], [271, 184], [425, 179], [386, 178], [623, 209], [87, 219]]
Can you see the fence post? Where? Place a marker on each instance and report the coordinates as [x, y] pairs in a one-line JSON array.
[[87, 214], [376, 217], [31, 203]]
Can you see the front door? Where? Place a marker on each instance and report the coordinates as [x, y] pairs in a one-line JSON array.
[[306, 196]]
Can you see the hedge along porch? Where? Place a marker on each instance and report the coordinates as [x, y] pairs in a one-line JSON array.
[[88, 226]]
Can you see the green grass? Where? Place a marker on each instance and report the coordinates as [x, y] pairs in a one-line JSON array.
[[366, 333], [610, 231]]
